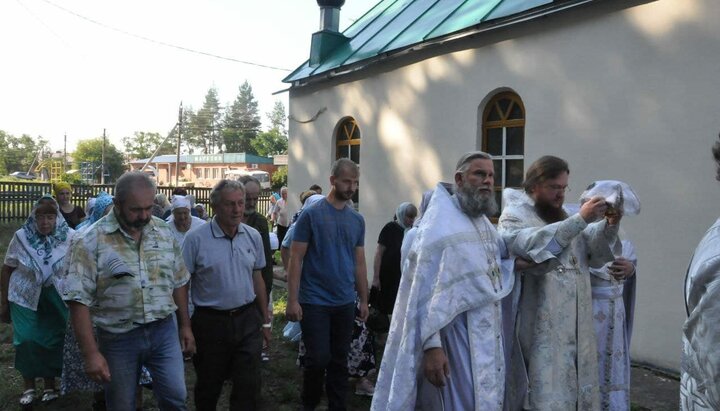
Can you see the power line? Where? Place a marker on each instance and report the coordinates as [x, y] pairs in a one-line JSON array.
[[42, 23], [162, 43]]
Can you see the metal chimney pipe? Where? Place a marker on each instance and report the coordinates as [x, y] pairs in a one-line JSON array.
[[330, 14], [329, 18]]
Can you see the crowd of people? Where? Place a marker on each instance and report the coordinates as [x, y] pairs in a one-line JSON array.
[[531, 310]]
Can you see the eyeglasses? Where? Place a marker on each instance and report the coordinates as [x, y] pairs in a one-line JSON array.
[[557, 187]]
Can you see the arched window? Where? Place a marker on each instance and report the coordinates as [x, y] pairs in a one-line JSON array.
[[347, 145], [503, 137]]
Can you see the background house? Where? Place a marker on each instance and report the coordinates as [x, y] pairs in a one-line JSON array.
[[622, 89], [203, 170]]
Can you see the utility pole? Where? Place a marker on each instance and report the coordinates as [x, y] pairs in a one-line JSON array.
[[65, 153], [102, 165], [179, 133]]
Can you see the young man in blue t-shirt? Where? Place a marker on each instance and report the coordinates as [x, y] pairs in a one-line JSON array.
[[327, 267]]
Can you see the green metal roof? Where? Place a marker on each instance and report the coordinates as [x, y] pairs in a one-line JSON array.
[[393, 25]]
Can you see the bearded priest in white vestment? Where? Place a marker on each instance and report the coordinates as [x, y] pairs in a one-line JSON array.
[[700, 365], [445, 346], [554, 363]]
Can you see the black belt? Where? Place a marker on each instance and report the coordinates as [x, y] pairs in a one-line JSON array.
[[225, 313]]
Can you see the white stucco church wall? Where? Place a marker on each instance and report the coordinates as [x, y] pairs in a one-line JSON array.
[[627, 93]]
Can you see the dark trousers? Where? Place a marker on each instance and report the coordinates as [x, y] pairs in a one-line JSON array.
[[228, 346], [281, 231], [327, 332]]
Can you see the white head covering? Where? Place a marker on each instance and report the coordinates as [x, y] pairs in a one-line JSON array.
[[90, 205], [179, 201], [617, 193], [401, 212]]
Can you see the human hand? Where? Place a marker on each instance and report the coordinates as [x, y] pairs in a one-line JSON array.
[[622, 268], [293, 311], [364, 312], [267, 336], [97, 368], [593, 209], [187, 341], [522, 264], [435, 366]]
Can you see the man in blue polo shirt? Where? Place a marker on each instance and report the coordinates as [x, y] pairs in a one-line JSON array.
[[224, 258], [327, 267]]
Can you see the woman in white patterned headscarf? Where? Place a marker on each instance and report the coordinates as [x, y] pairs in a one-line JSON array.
[[33, 265]]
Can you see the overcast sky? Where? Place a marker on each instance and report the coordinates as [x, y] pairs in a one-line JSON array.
[[61, 73]]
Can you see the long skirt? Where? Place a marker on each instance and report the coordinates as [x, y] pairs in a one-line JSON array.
[[38, 336], [74, 377], [613, 349], [361, 357]]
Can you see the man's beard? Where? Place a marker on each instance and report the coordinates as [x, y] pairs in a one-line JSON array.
[[249, 211], [137, 224], [549, 213], [344, 195], [475, 203]]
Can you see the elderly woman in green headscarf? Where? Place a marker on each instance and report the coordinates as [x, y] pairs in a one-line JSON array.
[[33, 265]]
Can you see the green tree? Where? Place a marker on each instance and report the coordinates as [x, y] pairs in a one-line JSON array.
[[278, 118], [3, 152], [19, 153], [90, 151], [204, 126], [187, 137], [270, 143], [242, 122], [142, 144], [279, 178], [74, 178]]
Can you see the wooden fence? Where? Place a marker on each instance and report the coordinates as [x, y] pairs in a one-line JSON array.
[[17, 198]]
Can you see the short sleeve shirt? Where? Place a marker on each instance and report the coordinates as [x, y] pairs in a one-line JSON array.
[[222, 267], [125, 284], [281, 211], [328, 271]]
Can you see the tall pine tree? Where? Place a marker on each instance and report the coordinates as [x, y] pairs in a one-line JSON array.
[[242, 122], [204, 126]]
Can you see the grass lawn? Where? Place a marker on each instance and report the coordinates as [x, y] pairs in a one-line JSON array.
[[280, 376]]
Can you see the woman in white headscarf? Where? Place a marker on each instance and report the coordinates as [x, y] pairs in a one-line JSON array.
[[612, 321], [33, 265], [181, 221]]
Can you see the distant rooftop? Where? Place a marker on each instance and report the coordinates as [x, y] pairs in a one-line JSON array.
[[392, 26], [209, 158]]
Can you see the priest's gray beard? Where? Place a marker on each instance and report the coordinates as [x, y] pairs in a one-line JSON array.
[[474, 202]]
